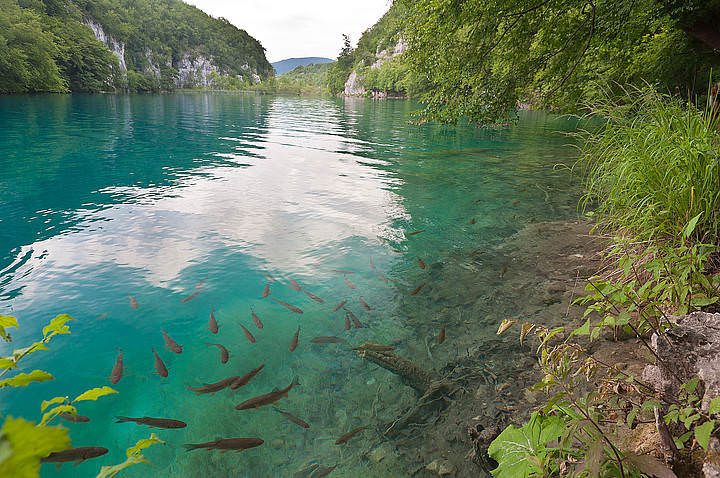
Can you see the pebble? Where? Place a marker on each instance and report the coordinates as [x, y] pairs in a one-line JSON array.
[[440, 467]]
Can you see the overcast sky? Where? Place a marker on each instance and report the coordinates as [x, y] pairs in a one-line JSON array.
[[292, 28]]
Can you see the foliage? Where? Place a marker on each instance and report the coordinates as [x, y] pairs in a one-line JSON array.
[[134, 457], [45, 46], [23, 443], [653, 166], [483, 58], [340, 70]]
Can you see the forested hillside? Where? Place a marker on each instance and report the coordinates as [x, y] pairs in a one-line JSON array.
[[104, 45]]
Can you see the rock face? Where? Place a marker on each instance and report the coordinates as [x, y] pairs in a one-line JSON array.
[[117, 48], [691, 349], [354, 85], [193, 69]]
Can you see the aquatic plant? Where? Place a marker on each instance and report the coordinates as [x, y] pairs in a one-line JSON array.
[[24, 443]]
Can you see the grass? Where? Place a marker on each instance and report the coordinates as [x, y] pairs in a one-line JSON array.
[[653, 166]]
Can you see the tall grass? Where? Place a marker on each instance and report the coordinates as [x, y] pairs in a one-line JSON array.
[[653, 166]]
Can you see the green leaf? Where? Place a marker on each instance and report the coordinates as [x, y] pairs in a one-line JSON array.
[[20, 353], [519, 450], [57, 326], [7, 363], [714, 406], [584, 329], [142, 444], [133, 457], [47, 403], [691, 226], [94, 394], [631, 417], [702, 301], [28, 443], [5, 322], [49, 416], [24, 379], [702, 433]]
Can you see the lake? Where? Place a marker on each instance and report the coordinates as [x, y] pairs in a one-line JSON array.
[[158, 197]]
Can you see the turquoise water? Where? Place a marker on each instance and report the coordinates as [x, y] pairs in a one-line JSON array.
[[106, 197]]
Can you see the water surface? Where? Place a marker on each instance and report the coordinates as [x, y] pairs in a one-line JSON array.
[[106, 197]]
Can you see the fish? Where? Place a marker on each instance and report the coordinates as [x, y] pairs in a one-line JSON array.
[[292, 418], [266, 290], [354, 319], [288, 306], [226, 444], [413, 233], [295, 285], [133, 303], [78, 455], [421, 264], [199, 284], [375, 347], [349, 284], [268, 276], [245, 379], [313, 297], [171, 345], [327, 340], [516, 203], [212, 388], [224, 354], [117, 371], [364, 304], [417, 290], [75, 419], [324, 471], [347, 322], [212, 323], [342, 271], [266, 399], [307, 470], [248, 334], [294, 341], [337, 307], [191, 296], [372, 264], [159, 365], [102, 316], [346, 437], [472, 221], [441, 336], [256, 320], [154, 422]]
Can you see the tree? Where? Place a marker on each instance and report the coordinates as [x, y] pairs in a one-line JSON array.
[[339, 72], [482, 58]]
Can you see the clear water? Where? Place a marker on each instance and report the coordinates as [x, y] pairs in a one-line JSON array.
[[102, 197]]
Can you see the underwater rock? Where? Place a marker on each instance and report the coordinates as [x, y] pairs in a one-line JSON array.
[[440, 467]]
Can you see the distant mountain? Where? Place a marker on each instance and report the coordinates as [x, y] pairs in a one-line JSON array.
[[289, 64]]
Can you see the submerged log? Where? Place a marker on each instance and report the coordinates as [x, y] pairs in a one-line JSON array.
[[410, 374]]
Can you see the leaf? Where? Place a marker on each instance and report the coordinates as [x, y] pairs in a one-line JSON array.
[[20, 353], [594, 458], [525, 329], [631, 417], [650, 466], [57, 326], [584, 329], [24, 379], [702, 433], [691, 226], [27, 444], [519, 450], [5, 322], [49, 416], [7, 363], [47, 403], [505, 324], [142, 444], [714, 406], [133, 457], [94, 394]]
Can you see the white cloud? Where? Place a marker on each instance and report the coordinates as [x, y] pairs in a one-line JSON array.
[[289, 29]]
